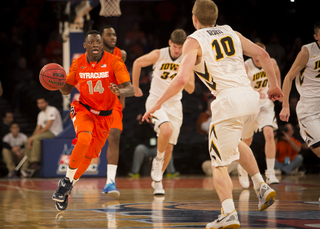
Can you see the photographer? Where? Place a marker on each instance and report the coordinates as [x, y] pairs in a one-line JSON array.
[[288, 158]]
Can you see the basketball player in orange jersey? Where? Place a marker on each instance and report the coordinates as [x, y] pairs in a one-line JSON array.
[[109, 39], [98, 74]]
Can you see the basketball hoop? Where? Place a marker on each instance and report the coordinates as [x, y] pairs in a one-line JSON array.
[[110, 8]]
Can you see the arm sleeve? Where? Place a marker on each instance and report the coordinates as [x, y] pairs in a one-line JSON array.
[[71, 77], [120, 70]]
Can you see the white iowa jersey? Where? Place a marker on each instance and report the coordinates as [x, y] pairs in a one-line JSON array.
[[308, 81], [164, 70], [257, 76], [222, 64]]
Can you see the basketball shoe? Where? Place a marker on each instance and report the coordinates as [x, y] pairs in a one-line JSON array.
[[158, 188], [61, 206], [156, 170], [64, 189], [265, 196], [243, 177], [110, 190], [225, 221], [271, 177]]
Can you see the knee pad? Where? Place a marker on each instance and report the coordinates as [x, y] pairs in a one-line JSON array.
[[85, 138]]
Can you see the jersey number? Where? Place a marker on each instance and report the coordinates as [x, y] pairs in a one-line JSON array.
[[227, 45], [261, 83], [165, 75], [97, 88]]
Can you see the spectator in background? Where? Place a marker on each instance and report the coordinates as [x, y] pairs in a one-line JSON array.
[[7, 119], [288, 159], [277, 51], [23, 77], [146, 136], [293, 51], [135, 42], [35, 59], [49, 125], [166, 12], [53, 50], [13, 150]]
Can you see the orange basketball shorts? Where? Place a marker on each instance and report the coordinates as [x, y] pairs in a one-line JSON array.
[[99, 126], [117, 116]]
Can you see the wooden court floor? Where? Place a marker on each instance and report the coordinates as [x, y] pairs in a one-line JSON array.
[[189, 202]]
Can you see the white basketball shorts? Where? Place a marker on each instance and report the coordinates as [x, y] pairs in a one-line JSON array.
[[169, 112]]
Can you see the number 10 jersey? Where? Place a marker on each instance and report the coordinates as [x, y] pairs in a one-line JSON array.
[[222, 64]]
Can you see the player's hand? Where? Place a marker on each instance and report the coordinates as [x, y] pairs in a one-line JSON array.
[[138, 92], [148, 113], [114, 89], [285, 114], [275, 93]]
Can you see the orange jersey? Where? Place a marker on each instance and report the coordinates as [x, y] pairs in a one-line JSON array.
[[95, 78], [117, 52]]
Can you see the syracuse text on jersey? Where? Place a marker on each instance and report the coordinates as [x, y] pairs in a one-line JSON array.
[[94, 75]]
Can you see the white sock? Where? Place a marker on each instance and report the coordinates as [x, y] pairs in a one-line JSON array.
[[75, 181], [257, 179], [70, 173], [111, 173], [160, 155], [270, 164], [228, 206]]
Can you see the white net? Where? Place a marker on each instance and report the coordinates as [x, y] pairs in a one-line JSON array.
[[110, 8]]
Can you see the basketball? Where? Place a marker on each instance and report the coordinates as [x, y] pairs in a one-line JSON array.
[[52, 76]]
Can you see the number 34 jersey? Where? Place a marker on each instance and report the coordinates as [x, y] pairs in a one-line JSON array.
[[164, 70], [222, 64], [94, 79]]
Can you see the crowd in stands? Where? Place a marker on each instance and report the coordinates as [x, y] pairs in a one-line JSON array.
[[31, 39]]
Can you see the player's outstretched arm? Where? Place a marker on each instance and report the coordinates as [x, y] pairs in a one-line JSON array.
[[277, 71], [66, 89], [142, 61], [299, 63], [252, 50], [190, 52], [189, 87]]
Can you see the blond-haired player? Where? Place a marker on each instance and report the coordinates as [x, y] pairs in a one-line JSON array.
[[215, 53]]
